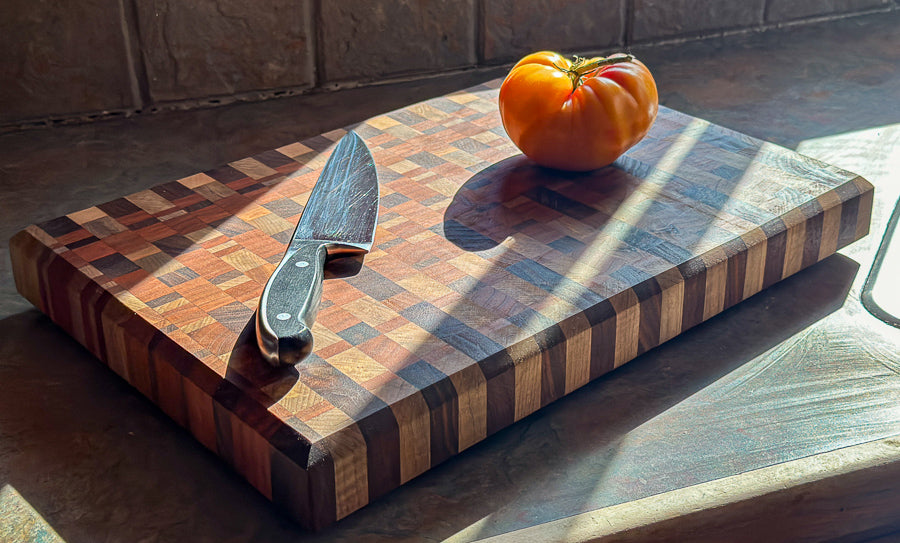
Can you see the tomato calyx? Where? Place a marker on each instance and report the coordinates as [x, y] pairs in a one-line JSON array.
[[580, 67]]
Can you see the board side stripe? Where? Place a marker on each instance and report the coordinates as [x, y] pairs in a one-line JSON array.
[[602, 318], [444, 423], [694, 273], [776, 234], [736, 251], [501, 390], [552, 342], [381, 432], [471, 388], [866, 199], [578, 333]]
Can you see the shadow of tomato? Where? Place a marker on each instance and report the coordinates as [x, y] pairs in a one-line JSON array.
[[516, 196]]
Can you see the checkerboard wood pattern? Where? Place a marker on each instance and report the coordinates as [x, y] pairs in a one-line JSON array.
[[494, 286]]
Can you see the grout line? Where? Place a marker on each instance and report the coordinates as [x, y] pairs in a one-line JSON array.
[[137, 77], [310, 29], [627, 23], [765, 10], [480, 31], [319, 71]]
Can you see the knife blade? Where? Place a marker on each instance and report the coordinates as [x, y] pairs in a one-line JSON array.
[[338, 220]]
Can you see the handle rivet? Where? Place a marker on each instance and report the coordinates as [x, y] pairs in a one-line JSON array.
[[301, 263], [283, 316]]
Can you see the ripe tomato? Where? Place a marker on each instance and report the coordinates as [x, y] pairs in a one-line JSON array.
[[577, 115]]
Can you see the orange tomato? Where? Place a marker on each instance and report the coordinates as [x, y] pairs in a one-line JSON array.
[[577, 115]]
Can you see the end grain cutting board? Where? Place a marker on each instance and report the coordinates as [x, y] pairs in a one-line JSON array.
[[494, 287]]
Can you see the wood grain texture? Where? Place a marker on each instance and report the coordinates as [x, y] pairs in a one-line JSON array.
[[494, 286]]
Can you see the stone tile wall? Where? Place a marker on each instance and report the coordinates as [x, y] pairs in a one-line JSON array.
[[224, 47], [74, 61]]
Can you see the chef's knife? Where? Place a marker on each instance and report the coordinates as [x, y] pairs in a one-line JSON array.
[[338, 220]]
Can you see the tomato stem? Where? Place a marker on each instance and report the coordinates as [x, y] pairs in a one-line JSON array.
[[582, 66]]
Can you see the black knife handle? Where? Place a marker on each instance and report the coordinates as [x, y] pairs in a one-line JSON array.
[[289, 305]]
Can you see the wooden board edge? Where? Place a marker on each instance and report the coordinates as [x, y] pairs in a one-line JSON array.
[[706, 285], [24, 250], [523, 379], [866, 204], [835, 494], [198, 403]]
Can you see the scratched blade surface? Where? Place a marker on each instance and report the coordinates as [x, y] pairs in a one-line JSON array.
[[343, 206]]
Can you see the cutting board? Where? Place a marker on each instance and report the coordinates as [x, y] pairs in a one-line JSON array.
[[494, 286]]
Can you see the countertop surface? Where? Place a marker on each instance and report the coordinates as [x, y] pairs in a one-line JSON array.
[[798, 370]]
